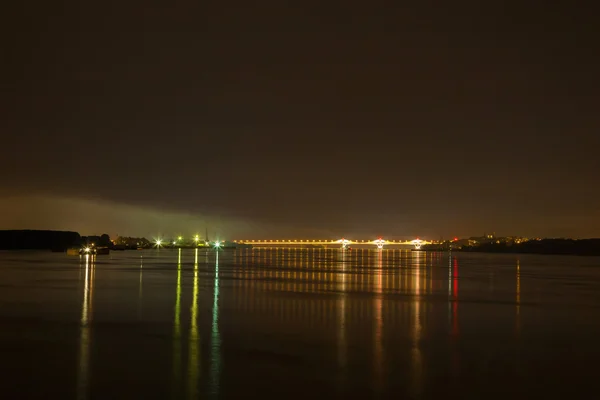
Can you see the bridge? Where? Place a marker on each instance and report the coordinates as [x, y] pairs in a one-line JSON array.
[[343, 243]]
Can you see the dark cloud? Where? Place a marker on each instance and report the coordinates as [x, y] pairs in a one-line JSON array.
[[352, 118]]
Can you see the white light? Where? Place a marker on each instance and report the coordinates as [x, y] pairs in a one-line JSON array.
[[87, 249]]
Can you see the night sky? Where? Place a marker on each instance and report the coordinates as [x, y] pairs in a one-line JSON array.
[[301, 119]]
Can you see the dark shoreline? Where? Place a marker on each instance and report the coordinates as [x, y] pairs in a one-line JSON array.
[[565, 247]]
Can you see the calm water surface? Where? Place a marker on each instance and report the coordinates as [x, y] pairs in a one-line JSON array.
[[298, 324]]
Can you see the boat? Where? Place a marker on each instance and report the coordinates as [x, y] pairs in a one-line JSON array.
[[87, 250], [94, 251]]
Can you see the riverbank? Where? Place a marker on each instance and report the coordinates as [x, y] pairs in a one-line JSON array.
[[582, 247]]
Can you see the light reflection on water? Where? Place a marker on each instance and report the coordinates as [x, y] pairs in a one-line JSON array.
[[194, 339], [378, 321], [215, 357], [380, 272], [83, 374], [518, 297], [341, 332], [140, 303], [300, 321], [416, 356], [177, 334]]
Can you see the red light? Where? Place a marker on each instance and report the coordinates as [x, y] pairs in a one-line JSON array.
[[455, 239]]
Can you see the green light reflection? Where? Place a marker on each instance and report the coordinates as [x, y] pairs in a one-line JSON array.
[[177, 334], [194, 339], [215, 337]]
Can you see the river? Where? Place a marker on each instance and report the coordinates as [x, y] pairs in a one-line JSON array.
[[303, 323]]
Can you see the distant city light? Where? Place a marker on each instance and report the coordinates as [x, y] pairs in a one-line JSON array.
[[196, 238], [217, 244], [158, 242], [87, 249], [180, 238], [174, 242]]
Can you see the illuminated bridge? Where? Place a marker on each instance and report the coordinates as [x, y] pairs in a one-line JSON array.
[[344, 243]]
